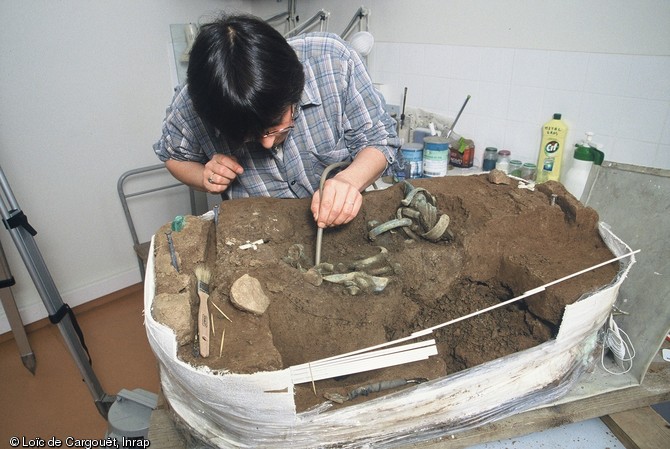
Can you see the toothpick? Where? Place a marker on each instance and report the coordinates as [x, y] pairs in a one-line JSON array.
[[211, 324], [221, 311], [223, 334], [309, 365]]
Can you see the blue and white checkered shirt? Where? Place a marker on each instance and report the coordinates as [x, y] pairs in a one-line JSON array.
[[341, 114]]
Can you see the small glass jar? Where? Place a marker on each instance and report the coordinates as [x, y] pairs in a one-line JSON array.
[[490, 158], [528, 171], [503, 161], [515, 167]]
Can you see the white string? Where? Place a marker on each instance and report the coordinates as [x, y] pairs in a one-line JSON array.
[[619, 343]]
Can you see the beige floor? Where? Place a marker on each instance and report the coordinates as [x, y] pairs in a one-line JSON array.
[[55, 402]]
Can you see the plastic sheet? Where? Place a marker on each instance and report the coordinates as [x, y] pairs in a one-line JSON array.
[[257, 410]]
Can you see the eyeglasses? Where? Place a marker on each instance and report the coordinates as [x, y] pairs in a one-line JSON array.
[[295, 112]]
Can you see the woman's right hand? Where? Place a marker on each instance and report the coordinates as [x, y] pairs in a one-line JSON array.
[[220, 172]]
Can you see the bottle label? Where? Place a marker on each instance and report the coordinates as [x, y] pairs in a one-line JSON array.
[[551, 147], [552, 130], [548, 164]]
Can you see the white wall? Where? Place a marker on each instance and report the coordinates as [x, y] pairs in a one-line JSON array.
[[598, 26], [83, 89], [606, 68], [605, 65], [84, 86]]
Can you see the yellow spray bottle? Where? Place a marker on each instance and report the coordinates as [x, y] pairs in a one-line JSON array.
[[551, 149]]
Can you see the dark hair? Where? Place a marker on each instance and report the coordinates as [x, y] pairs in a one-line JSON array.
[[242, 76]]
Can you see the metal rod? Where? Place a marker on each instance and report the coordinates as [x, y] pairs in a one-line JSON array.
[[402, 113], [319, 231], [13, 315], [453, 125], [319, 18], [356, 19]]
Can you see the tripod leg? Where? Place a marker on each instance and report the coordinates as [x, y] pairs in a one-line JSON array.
[[59, 313], [13, 316], [12, 312]]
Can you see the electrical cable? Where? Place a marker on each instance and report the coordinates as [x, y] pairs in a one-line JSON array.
[[619, 344]]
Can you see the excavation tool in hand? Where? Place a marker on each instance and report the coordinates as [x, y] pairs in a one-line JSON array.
[[319, 231]]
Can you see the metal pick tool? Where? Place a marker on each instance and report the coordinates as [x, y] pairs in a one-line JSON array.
[[453, 125], [215, 209], [173, 255]]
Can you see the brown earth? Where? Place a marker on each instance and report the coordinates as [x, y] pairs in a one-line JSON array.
[[501, 242]]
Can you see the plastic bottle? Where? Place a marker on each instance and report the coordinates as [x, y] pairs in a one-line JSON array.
[[585, 156], [551, 149]]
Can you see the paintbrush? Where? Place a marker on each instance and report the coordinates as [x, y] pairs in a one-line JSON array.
[[203, 276]]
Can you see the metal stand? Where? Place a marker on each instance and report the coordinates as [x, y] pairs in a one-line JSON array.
[[13, 316], [61, 315]]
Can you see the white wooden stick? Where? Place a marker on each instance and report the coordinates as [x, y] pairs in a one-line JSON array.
[[327, 372], [223, 334], [221, 312], [328, 368]]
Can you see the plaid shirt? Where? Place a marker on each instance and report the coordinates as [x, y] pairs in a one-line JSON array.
[[341, 114]]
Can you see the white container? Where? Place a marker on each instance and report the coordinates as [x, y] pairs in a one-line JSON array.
[[435, 156], [258, 410], [575, 179], [582, 162]]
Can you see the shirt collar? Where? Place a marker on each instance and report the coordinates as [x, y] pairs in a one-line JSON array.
[[310, 93]]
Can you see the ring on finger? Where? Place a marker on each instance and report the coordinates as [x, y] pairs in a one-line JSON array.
[[210, 180]]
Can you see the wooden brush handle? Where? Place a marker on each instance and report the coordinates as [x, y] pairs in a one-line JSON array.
[[203, 324]]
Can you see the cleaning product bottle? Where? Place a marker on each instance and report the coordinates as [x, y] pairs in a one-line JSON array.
[[586, 155], [575, 178], [551, 149]]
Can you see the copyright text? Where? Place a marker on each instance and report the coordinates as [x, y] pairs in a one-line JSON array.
[[37, 442]]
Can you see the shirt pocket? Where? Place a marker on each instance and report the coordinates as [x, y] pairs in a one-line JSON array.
[[326, 154]]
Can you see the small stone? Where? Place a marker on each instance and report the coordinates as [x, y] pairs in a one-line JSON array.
[[313, 277], [247, 294], [275, 287], [496, 176]]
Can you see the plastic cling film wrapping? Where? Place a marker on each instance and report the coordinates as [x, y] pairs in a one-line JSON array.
[[257, 410]]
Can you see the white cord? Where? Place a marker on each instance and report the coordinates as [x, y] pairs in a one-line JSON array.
[[618, 342]]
